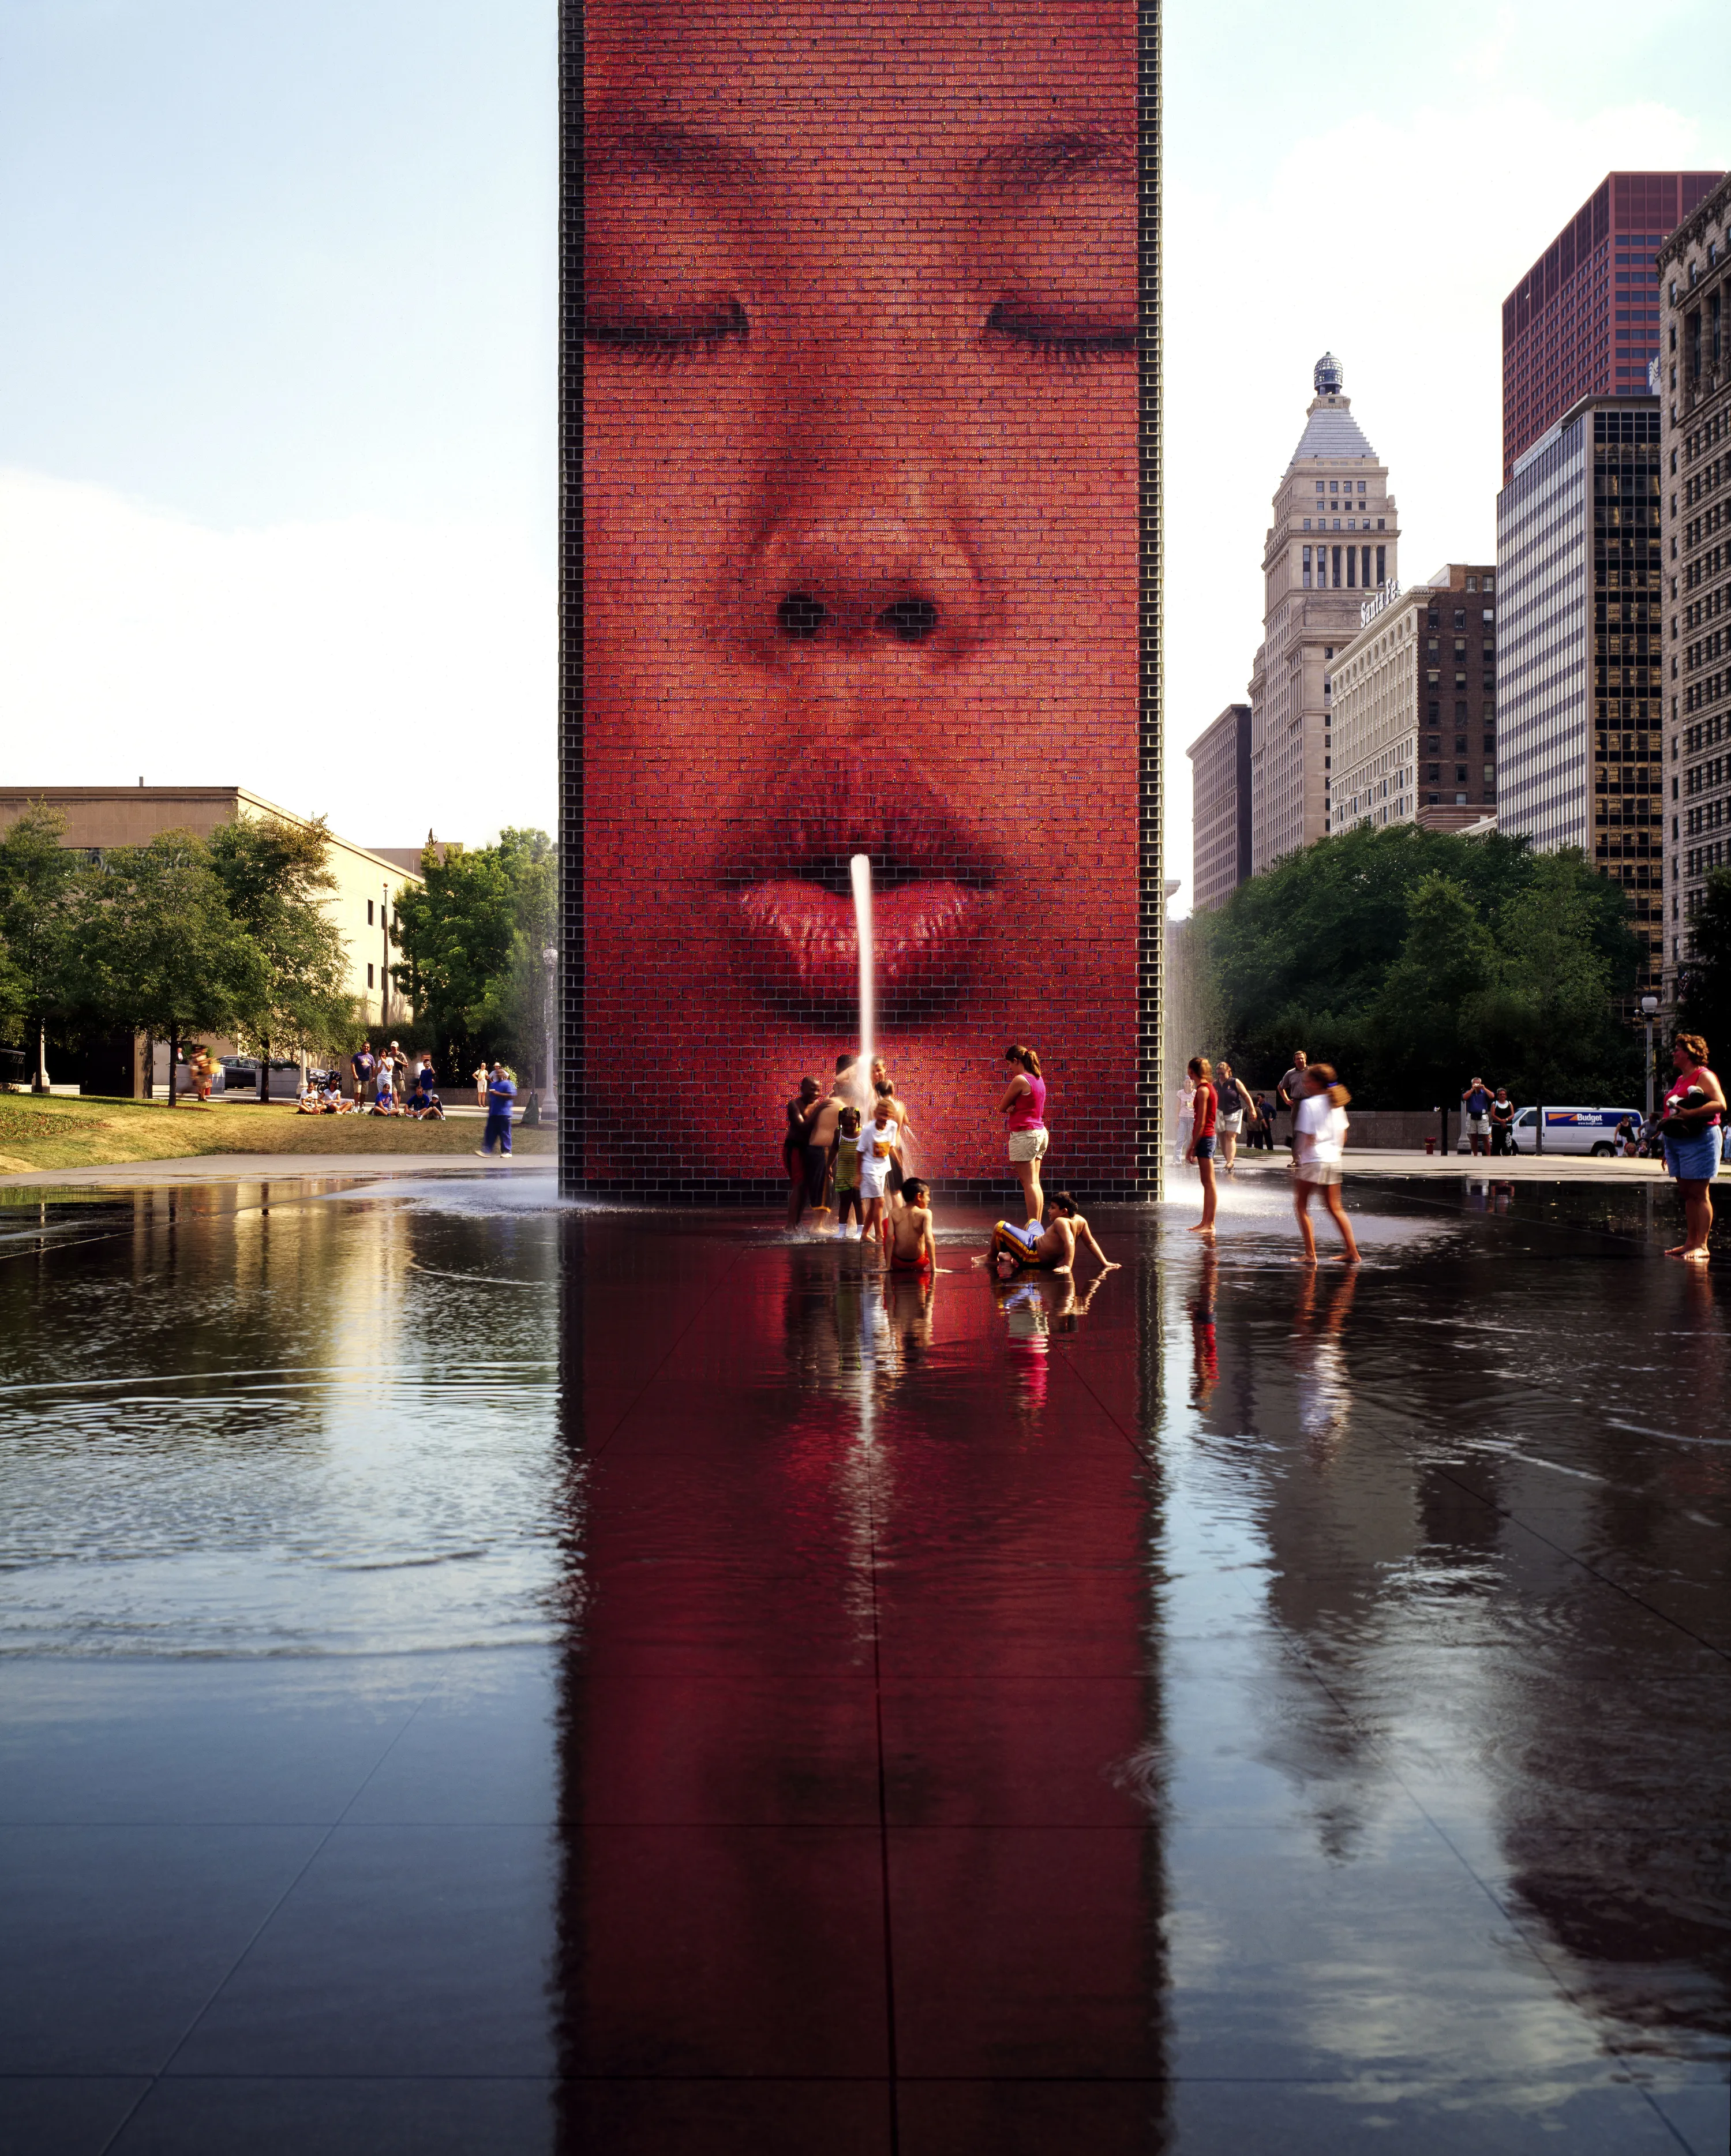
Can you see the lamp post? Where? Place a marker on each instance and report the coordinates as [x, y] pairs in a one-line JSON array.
[[384, 970], [550, 1104], [1649, 1007]]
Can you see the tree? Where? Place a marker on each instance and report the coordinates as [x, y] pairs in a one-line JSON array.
[[273, 875], [41, 901], [1416, 958], [166, 955], [472, 939], [1704, 985]]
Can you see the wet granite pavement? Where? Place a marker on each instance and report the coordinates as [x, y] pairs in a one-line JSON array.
[[478, 1674]]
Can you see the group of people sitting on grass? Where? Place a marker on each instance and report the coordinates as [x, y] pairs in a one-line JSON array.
[[377, 1090]]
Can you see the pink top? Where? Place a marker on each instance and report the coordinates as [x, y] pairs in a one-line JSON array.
[[1674, 1097], [1027, 1110]]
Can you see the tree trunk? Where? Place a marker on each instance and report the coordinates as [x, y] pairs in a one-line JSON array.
[[264, 1069], [173, 1061]]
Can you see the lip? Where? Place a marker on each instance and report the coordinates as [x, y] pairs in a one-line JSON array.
[[787, 897]]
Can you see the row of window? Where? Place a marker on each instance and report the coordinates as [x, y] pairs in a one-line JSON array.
[[1352, 523], [1357, 568]]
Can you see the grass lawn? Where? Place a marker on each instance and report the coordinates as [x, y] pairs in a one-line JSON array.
[[62, 1131]]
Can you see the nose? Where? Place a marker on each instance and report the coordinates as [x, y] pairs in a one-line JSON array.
[[861, 549]]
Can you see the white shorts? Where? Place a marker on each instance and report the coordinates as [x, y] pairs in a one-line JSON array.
[[1234, 1124], [1029, 1145], [1478, 1127]]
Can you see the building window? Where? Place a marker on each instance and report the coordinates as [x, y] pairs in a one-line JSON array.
[[369, 976], [1472, 583], [1320, 486], [1306, 526], [369, 923], [1352, 567], [1306, 563], [1382, 552], [1337, 568]]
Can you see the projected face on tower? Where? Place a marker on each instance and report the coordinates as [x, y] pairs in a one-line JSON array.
[[860, 557]]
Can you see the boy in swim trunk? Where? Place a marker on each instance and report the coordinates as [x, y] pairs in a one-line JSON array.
[[1052, 1248], [847, 1170], [912, 1246]]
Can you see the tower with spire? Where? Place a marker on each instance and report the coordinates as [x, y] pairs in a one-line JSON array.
[[1331, 547]]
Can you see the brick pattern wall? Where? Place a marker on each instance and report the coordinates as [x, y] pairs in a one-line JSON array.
[[861, 552]]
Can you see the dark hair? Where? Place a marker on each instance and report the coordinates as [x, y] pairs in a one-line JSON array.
[[915, 1188], [886, 1089], [1693, 1045], [1337, 1094], [807, 1089], [1063, 1200], [1198, 1066], [1026, 1057], [842, 1062]]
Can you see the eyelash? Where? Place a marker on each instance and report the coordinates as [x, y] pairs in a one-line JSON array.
[[1062, 348], [652, 343]]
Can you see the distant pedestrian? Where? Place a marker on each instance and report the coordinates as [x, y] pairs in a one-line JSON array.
[[1290, 1092], [361, 1064], [1694, 1108], [479, 1076], [1476, 1105], [1261, 1135], [1319, 1129], [1024, 1103], [501, 1093], [398, 1065], [1502, 1116], [1238, 1113], [1204, 1130], [1626, 1138], [1183, 1113]]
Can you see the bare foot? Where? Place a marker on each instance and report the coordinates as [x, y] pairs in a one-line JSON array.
[[1695, 1257], [1351, 1258]]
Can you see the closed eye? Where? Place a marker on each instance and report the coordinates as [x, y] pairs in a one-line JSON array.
[[664, 338], [1057, 343]]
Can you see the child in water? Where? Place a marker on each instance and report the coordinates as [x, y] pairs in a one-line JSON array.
[[879, 1145], [914, 1247], [847, 1170]]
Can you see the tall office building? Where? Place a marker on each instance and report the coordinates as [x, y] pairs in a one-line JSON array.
[[1332, 542], [1580, 648], [1220, 809], [1695, 392], [1584, 322], [1415, 701]]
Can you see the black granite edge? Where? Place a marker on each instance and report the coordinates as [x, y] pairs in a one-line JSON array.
[[721, 1191]]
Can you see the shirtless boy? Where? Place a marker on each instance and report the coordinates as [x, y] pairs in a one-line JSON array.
[[912, 1246], [1053, 1249]]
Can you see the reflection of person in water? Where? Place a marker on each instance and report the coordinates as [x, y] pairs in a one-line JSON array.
[[1049, 1250], [1205, 1374], [861, 546]]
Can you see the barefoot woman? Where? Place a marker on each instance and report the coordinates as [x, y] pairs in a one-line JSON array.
[[1694, 1108], [1025, 1104]]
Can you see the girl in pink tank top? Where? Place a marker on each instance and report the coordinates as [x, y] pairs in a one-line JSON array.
[[1023, 1104]]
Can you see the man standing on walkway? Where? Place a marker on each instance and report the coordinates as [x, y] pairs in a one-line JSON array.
[[501, 1093], [1475, 1102], [1291, 1091], [361, 1063]]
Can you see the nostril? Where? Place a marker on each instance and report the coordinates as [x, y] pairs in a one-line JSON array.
[[799, 614], [912, 620]]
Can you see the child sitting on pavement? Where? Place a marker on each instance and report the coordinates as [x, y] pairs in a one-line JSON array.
[[914, 1247], [1051, 1250]]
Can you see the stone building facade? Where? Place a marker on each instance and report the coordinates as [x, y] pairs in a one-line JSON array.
[[1220, 811], [1580, 651], [1695, 395], [1415, 720], [1332, 543]]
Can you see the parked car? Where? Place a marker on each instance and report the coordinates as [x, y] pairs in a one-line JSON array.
[[240, 1076], [1571, 1130]]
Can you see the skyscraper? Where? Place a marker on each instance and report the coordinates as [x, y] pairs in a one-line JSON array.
[[1695, 388], [1584, 322], [1581, 651], [1331, 544], [1221, 818]]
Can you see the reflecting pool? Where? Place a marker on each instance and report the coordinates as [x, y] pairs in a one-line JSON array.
[[477, 1672]]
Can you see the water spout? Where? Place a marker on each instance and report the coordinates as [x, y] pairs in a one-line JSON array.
[[859, 868]]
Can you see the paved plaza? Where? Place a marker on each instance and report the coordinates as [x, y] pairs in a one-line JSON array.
[[478, 1674]]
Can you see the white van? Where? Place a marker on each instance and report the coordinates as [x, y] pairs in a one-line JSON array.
[[1572, 1130]]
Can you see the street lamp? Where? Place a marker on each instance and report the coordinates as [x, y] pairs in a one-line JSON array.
[[1649, 1006], [550, 1105]]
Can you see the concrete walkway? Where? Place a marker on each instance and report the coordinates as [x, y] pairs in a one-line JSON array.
[[270, 1168], [1523, 1167]]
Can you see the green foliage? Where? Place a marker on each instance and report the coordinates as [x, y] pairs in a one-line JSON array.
[[472, 941], [41, 902], [1416, 960], [1705, 990], [163, 952], [273, 877]]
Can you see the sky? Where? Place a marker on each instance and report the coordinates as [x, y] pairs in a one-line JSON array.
[[277, 475]]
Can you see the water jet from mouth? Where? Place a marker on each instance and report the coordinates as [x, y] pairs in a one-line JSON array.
[[859, 869]]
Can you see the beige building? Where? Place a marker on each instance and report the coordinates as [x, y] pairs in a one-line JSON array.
[[1694, 389], [367, 881], [1220, 809], [1414, 722], [1331, 545]]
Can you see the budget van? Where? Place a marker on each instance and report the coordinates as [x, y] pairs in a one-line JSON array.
[[1572, 1130]]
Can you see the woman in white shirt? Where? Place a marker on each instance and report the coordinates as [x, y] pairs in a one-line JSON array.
[[1184, 1101], [1319, 1128]]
